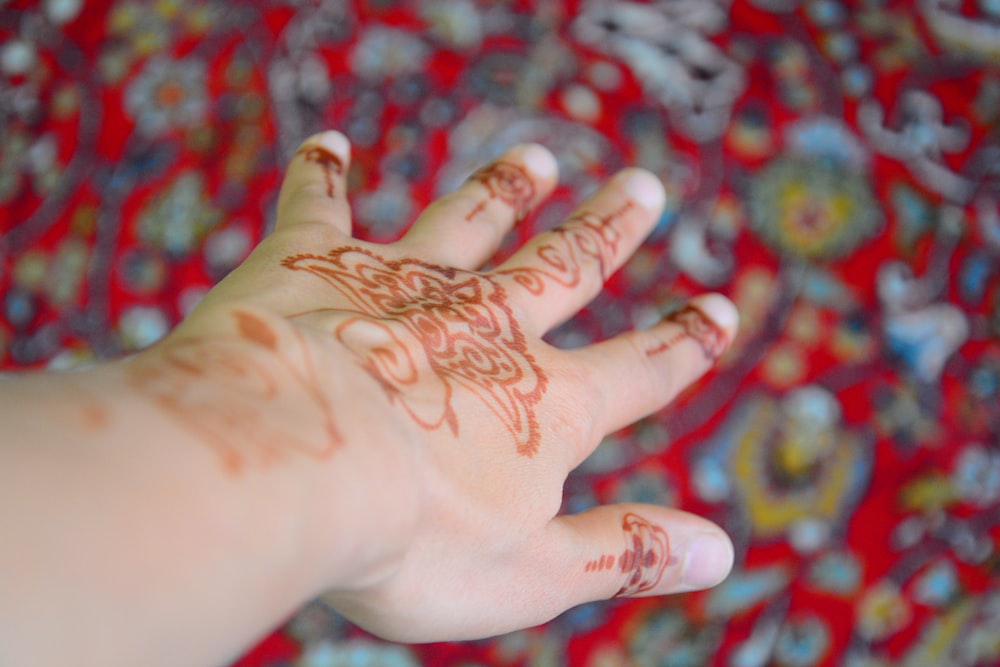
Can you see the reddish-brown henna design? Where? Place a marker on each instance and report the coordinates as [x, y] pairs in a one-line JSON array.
[[232, 397], [331, 163], [254, 329], [410, 317], [646, 555], [605, 562], [698, 327], [94, 417], [507, 182], [585, 235]]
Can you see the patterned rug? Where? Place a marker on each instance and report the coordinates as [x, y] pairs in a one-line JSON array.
[[832, 166]]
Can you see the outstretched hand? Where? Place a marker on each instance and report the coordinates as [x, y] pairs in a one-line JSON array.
[[440, 425]]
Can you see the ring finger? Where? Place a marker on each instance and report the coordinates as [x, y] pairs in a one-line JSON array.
[[463, 229]]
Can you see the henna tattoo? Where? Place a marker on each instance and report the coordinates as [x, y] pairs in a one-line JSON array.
[[255, 330], [330, 163], [586, 235], [459, 320], [507, 182], [605, 562], [646, 555], [698, 327], [94, 417], [230, 396]]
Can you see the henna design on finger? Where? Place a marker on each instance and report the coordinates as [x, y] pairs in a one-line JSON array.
[[331, 164], [507, 182], [585, 235], [698, 327], [232, 396], [645, 557], [418, 324], [605, 562]]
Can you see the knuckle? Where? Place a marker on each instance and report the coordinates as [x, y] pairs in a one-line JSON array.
[[572, 420], [578, 409]]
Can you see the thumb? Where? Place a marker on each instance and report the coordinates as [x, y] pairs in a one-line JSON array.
[[632, 550]]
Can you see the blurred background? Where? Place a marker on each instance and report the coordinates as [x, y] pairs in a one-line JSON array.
[[833, 166]]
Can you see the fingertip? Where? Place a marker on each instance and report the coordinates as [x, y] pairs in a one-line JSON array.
[[539, 160], [644, 188], [708, 561], [331, 140], [720, 310]]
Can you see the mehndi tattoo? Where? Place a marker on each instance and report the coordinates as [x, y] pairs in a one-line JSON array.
[[644, 559], [331, 163], [585, 235], [698, 327], [458, 321], [507, 182], [605, 562], [236, 422]]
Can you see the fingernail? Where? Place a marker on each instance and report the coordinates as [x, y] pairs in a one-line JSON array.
[[708, 561], [645, 188], [721, 311], [539, 160], [333, 141]]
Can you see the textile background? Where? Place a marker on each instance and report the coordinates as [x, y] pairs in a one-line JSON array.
[[833, 166]]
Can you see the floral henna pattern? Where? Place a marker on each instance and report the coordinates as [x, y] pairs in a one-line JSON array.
[[332, 164], [645, 557], [586, 235], [698, 327], [238, 421], [508, 183], [412, 317]]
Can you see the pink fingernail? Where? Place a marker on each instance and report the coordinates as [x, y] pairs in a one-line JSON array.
[[333, 141], [539, 160], [645, 188], [721, 311], [708, 561]]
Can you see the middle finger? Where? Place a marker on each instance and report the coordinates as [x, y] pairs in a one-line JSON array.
[[560, 271]]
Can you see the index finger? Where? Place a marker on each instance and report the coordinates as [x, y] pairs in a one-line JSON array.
[[315, 185]]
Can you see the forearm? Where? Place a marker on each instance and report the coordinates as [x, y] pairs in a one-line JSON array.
[[127, 541]]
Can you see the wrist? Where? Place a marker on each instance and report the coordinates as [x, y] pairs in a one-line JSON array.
[[144, 514], [270, 398]]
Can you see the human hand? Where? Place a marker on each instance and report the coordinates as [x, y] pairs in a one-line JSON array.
[[437, 427]]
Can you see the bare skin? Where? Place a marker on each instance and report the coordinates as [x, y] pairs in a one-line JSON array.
[[380, 424]]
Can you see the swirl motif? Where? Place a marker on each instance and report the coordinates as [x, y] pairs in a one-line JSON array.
[[458, 319], [585, 235], [508, 183]]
